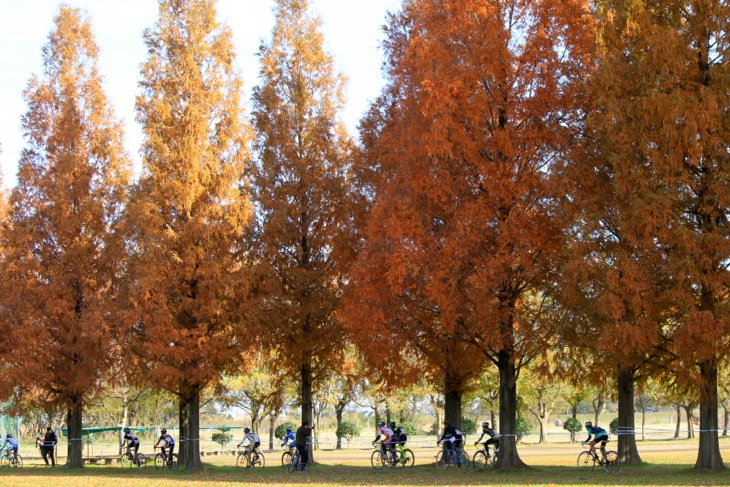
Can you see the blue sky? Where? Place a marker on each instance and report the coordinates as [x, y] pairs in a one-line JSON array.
[[351, 28]]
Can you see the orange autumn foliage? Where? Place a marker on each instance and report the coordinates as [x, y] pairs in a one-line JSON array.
[[188, 213], [482, 100], [62, 256]]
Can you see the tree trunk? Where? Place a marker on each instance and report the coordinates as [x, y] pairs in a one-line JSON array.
[[599, 404], [690, 426], [306, 398], [509, 458], [627, 452], [679, 422], [726, 421], [125, 419], [75, 445], [452, 408], [272, 424], [339, 409], [708, 457], [189, 451]]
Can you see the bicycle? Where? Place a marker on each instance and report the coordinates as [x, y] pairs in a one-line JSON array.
[[11, 460], [293, 461], [447, 457], [129, 459], [482, 458], [405, 457], [163, 460], [609, 462], [382, 457], [286, 456], [249, 458]]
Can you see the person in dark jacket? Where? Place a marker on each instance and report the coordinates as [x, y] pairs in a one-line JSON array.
[[49, 447], [302, 439]]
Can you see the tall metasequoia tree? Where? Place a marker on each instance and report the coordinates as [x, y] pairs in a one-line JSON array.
[[62, 256], [662, 98], [189, 210], [300, 191], [480, 104]]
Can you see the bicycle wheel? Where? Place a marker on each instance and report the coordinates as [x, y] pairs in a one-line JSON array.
[[17, 462], [611, 463], [376, 460], [285, 459], [480, 461], [125, 461], [293, 462], [173, 463], [407, 458], [586, 462], [159, 461], [463, 462], [242, 460], [443, 462], [258, 460], [141, 460]]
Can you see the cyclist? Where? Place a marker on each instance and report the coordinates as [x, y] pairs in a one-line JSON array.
[[169, 442], [289, 439], [387, 444], [598, 434], [452, 438], [132, 442], [399, 436], [12, 445], [493, 437], [253, 442]]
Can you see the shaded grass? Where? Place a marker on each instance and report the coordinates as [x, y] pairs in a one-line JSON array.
[[662, 469]]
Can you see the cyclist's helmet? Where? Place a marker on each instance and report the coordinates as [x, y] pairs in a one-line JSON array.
[[485, 424], [391, 424], [10, 435], [127, 430], [288, 429], [246, 430], [588, 424], [163, 431], [381, 424], [447, 422]]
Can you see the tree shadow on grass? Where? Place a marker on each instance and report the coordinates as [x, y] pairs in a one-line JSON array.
[[351, 475]]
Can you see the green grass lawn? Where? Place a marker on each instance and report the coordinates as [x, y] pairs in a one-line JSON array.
[[352, 468]]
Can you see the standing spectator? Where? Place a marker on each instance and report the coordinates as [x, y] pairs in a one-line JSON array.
[[49, 446], [304, 432]]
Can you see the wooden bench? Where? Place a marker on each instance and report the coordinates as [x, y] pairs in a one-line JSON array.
[[99, 460]]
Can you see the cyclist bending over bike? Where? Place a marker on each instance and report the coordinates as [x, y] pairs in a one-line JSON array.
[[598, 434], [12, 446], [132, 442], [452, 439], [289, 439], [493, 437], [253, 443], [387, 444], [169, 442], [399, 435]]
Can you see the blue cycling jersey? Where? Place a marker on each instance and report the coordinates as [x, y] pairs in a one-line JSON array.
[[12, 442]]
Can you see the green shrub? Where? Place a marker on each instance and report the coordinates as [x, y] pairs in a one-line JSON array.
[[613, 426], [348, 430], [410, 428], [522, 428], [222, 438], [573, 426], [468, 426], [280, 431]]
